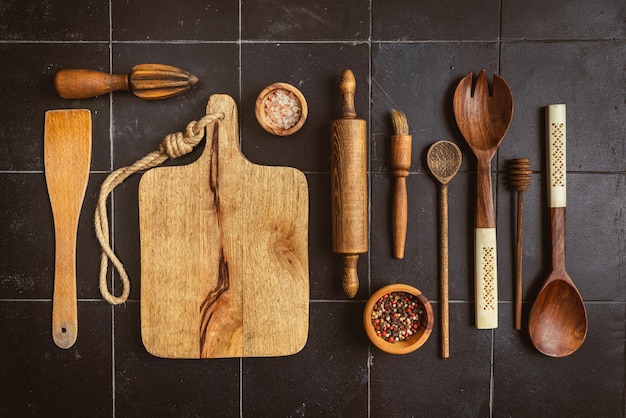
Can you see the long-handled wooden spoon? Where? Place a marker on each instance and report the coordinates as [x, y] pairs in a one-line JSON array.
[[483, 120], [558, 318], [67, 156], [444, 159]]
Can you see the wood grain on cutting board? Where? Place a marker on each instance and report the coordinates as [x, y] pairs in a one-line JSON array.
[[224, 253]]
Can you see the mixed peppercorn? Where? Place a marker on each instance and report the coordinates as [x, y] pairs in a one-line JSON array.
[[396, 316]]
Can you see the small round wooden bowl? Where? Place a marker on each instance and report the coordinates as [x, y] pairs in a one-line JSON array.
[[284, 124], [400, 347]]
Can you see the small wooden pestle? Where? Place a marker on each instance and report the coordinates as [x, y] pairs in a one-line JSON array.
[[519, 180], [349, 185], [400, 163], [146, 81]]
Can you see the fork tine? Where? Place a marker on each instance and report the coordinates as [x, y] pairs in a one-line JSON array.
[[464, 88], [482, 89]]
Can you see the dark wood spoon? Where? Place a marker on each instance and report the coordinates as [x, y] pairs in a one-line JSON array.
[[483, 119], [558, 319]]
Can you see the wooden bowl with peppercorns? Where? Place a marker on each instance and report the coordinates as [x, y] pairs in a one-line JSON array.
[[398, 319]]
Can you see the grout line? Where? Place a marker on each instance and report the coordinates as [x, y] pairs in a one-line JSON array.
[[369, 200], [239, 47], [111, 154]]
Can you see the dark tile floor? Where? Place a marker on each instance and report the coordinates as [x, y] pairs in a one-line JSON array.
[[405, 54]]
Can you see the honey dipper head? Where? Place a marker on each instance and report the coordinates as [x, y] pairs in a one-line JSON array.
[[519, 174]]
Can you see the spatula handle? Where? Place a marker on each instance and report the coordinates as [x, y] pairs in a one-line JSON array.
[[486, 264], [556, 161], [486, 283]]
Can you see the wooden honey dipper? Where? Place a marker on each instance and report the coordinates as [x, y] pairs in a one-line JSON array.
[[519, 180], [348, 176]]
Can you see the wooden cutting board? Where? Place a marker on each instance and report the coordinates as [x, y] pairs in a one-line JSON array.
[[224, 253]]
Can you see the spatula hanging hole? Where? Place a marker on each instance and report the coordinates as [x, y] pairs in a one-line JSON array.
[[63, 330]]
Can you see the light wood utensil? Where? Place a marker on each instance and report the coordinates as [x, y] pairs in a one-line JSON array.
[[67, 157], [519, 180], [444, 159], [558, 318], [483, 119], [146, 81], [401, 143], [224, 252], [348, 164]]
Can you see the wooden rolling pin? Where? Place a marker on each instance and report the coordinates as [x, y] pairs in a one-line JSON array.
[[349, 185], [146, 81]]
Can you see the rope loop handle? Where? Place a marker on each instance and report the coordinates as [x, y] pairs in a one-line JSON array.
[[174, 145]]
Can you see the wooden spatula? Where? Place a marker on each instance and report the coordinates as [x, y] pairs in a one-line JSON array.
[[67, 156]]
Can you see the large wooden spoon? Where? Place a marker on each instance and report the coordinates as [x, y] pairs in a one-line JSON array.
[[67, 156], [483, 120], [444, 159], [558, 319]]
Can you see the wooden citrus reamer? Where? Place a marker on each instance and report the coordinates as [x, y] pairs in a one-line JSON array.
[[67, 157], [348, 164], [146, 81]]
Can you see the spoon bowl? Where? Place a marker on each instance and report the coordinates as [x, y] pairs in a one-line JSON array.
[[558, 324]]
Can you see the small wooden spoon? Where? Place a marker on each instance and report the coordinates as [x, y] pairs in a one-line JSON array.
[[558, 319], [67, 156], [483, 120], [444, 159]]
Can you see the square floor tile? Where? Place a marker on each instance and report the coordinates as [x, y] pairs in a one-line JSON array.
[[72, 20], [141, 20], [536, 19], [298, 20], [327, 378], [597, 369], [28, 92], [407, 20], [145, 384], [41, 379]]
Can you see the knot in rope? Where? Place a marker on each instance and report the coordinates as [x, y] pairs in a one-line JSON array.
[[178, 144]]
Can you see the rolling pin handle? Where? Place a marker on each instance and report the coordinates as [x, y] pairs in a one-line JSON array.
[[348, 88], [350, 277]]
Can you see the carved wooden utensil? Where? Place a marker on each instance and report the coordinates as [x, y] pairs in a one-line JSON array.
[[519, 180], [348, 164], [146, 81], [67, 156], [401, 144], [483, 120], [444, 159], [224, 252], [558, 318]]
